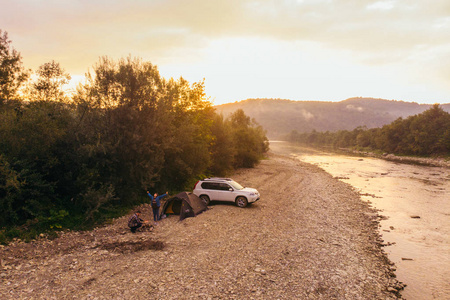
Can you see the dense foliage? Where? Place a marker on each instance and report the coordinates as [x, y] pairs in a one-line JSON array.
[[425, 134], [12, 72], [279, 117], [69, 161]]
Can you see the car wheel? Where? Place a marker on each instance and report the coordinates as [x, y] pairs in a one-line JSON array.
[[241, 201], [205, 199]]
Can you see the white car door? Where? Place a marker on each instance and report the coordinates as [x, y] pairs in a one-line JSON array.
[[225, 192], [210, 189]]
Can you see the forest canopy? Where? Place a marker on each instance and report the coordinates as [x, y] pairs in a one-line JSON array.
[[67, 160], [425, 134]]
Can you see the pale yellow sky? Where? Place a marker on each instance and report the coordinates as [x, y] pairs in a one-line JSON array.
[[292, 49]]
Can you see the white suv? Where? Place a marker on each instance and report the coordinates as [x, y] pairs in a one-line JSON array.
[[225, 189]]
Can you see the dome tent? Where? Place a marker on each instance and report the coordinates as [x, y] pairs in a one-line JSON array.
[[185, 204]]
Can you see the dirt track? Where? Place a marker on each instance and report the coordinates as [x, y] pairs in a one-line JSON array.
[[309, 237]]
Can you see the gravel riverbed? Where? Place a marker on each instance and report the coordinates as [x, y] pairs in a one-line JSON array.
[[309, 237]]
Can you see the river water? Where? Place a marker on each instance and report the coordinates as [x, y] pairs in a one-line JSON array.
[[416, 203]]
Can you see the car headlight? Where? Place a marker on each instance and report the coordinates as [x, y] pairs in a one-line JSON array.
[[252, 194]]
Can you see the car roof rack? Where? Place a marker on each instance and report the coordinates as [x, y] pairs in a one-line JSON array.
[[218, 178]]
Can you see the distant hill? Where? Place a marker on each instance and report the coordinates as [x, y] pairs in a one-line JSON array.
[[279, 116]]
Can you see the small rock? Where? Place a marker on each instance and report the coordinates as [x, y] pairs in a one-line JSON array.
[[415, 217]]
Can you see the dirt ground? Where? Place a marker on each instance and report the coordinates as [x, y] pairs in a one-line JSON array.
[[309, 237]]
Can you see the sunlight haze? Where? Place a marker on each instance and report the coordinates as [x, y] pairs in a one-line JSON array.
[[325, 50]]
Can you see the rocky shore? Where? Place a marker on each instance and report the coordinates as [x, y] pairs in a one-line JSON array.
[[309, 237], [424, 161]]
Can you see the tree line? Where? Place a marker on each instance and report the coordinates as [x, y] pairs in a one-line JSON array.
[[425, 134], [69, 160]]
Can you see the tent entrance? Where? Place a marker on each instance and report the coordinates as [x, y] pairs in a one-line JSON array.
[[174, 207]]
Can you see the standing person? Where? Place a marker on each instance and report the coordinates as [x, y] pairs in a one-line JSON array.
[[135, 221], [156, 204]]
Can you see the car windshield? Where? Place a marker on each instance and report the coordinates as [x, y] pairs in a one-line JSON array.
[[236, 185]]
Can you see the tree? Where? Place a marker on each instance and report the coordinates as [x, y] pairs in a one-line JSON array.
[[49, 84], [249, 140], [12, 73], [429, 131], [122, 128], [187, 154], [221, 148], [146, 131]]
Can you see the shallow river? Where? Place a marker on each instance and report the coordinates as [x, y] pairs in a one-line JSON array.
[[416, 202]]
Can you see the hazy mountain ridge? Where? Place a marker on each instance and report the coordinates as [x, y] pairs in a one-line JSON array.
[[280, 116]]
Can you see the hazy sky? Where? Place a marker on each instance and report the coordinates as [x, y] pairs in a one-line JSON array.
[[291, 49]]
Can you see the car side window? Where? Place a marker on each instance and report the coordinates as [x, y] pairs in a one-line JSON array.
[[224, 187], [210, 186]]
